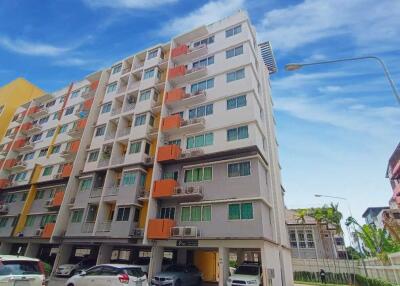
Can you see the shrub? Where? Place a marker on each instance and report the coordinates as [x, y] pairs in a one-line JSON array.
[[366, 281]]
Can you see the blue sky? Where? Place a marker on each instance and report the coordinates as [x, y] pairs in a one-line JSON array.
[[337, 124]]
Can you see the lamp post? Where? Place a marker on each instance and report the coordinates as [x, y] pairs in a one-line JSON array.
[[296, 66], [356, 236]]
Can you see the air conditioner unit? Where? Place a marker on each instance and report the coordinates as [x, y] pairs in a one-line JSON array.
[[57, 176], [190, 231], [39, 232], [189, 190], [177, 231], [178, 190], [48, 203]]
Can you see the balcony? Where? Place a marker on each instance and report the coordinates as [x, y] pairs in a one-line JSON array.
[[191, 153], [37, 111], [34, 128], [143, 195], [175, 125], [164, 188], [149, 161], [116, 111], [160, 228], [184, 53], [19, 165], [28, 146], [89, 93], [168, 153], [112, 191], [178, 98], [57, 200], [66, 170], [25, 127], [71, 150], [87, 227], [118, 160], [9, 164], [137, 232], [187, 193], [156, 106], [180, 74], [77, 130], [18, 144], [4, 183], [96, 192], [124, 132], [103, 163], [3, 209], [48, 230], [104, 226]]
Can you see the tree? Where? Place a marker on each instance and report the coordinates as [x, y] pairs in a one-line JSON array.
[[353, 254]]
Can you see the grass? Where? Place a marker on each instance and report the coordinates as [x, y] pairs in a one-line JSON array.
[[317, 283]]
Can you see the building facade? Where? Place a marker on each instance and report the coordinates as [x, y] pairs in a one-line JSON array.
[[393, 174], [373, 216], [170, 154]]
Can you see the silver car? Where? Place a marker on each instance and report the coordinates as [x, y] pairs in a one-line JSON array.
[[178, 275]]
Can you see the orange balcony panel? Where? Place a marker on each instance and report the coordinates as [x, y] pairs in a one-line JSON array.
[[176, 71], [180, 50], [8, 147], [87, 104], [81, 123], [74, 146], [174, 95], [57, 200], [26, 126], [160, 228], [171, 122], [4, 183], [9, 163], [164, 188], [168, 152], [18, 143], [48, 230], [66, 172], [1, 163], [33, 110], [93, 85]]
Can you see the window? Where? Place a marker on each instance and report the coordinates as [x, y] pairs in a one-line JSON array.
[[129, 178], [29, 156], [62, 98], [196, 213], [69, 110], [198, 174], [234, 52], [47, 219], [237, 133], [39, 194], [202, 85], [206, 41], [142, 180], [239, 169], [240, 211], [292, 239], [47, 171], [302, 239], [75, 93], [310, 239], [236, 102], [168, 213], [11, 198], [135, 147], [140, 120], [144, 95], [63, 128], [233, 31], [235, 75], [147, 148], [43, 152], [106, 107], [112, 87], [170, 175], [201, 111], [86, 184], [203, 62], [152, 54], [149, 73], [50, 133], [8, 132], [93, 156], [100, 130], [44, 119], [77, 216], [3, 221], [175, 142], [30, 221], [200, 140], [55, 149], [23, 197], [116, 69], [21, 176], [36, 137], [123, 214], [151, 120], [55, 115]]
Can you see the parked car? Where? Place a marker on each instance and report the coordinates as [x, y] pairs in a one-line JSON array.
[[178, 275], [21, 270], [109, 275], [248, 273], [68, 270]]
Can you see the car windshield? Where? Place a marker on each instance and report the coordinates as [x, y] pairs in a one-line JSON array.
[[134, 271], [175, 268], [143, 261], [19, 267], [247, 270]]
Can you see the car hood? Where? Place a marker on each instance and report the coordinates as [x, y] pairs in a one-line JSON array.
[[69, 266], [168, 274], [244, 277]]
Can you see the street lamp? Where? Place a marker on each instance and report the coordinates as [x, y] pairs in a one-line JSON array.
[[356, 236], [297, 66]]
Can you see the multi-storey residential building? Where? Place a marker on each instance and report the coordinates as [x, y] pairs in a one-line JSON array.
[[311, 240], [373, 216], [393, 173], [169, 153], [12, 95]]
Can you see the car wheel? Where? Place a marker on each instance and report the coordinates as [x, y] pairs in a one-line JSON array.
[[70, 284], [178, 283]]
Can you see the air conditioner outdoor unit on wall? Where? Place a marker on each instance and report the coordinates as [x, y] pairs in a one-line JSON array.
[[190, 231], [177, 231], [38, 232]]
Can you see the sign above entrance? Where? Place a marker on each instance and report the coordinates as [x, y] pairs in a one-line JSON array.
[[187, 242]]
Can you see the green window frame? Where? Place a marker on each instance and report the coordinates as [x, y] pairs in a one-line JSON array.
[[239, 169], [129, 178], [30, 221], [238, 133], [198, 174], [135, 147], [202, 140], [196, 213], [93, 156], [77, 216], [48, 170], [86, 184], [3, 221], [39, 195], [240, 211]]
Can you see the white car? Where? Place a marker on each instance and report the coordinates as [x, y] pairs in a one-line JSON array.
[[246, 274], [21, 270], [109, 275], [69, 270]]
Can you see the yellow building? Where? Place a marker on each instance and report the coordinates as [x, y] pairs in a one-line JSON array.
[[12, 95]]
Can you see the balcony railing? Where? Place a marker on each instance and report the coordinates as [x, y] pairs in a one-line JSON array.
[[143, 195], [129, 107], [126, 70], [138, 66], [134, 85], [116, 111], [103, 163], [87, 227], [122, 89], [87, 94], [112, 191], [96, 192], [104, 226], [3, 208], [118, 160], [137, 232], [109, 136], [124, 132]]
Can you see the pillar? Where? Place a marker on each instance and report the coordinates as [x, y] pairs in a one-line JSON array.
[[157, 255], [223, 263], [182, 256], [239, 256], [63, 256], [32, 249], [104, 254], [5, 247]]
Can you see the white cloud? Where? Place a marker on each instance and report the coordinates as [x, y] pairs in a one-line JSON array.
[[72, 62], [20, 46], [128, 4], [364, 21], [330, 89], [206, 14]]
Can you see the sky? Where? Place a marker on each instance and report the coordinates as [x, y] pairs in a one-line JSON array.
[[337, 124]]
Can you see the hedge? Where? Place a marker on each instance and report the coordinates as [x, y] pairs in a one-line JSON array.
[[366, 281]]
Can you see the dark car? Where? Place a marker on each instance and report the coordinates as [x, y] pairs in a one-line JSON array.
[[178, 275]]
